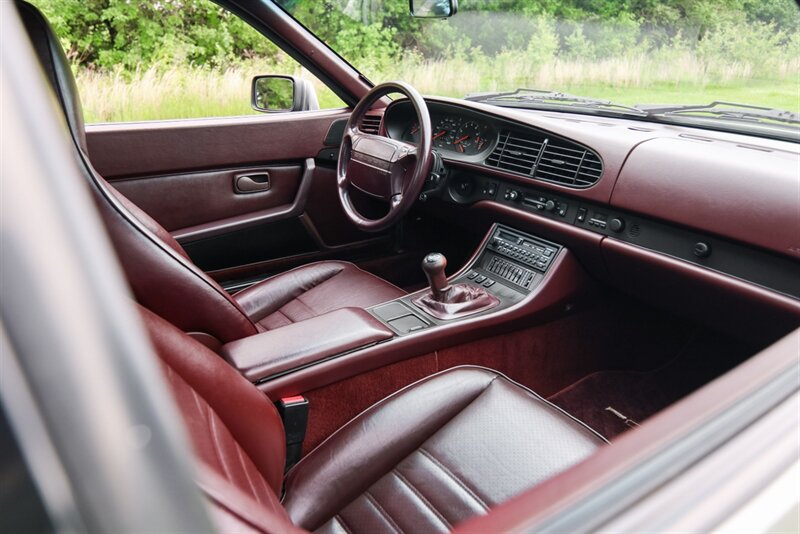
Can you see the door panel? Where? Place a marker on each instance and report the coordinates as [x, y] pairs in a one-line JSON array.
[[183, 174], [165, 147], [182, 201]]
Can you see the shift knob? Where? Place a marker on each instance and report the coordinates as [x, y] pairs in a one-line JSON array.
[[433, 265]]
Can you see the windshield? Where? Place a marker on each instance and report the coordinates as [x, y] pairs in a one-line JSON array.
[[629, 53]]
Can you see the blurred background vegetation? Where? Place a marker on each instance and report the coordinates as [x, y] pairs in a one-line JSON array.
[[190, 58]]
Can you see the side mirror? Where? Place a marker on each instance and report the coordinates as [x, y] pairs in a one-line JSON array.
[[433, 9], [279, 94]]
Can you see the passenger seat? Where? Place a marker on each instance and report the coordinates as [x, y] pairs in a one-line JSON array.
[[424, 459]]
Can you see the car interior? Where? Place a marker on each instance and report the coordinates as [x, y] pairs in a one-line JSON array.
[[368, 325]]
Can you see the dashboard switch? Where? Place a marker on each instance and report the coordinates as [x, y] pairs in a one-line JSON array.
[[511, 195], [582, 215], [616, 224], [702, 250]]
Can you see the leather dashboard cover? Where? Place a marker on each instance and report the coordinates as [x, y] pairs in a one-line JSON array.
[[304, 342]]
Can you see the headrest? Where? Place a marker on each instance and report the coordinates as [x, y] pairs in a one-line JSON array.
[[56, 68]]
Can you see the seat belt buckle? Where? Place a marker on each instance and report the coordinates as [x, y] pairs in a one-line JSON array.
[[294, 414]]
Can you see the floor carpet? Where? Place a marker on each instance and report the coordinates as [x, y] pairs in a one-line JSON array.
[[614, 401]]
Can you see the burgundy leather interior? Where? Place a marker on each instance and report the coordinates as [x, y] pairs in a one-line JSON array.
[[206, 143], [460, 300], [160, 273], [434, 454], [310, 291], [190, 199], [438, 452], [234, 429], [296, 345]]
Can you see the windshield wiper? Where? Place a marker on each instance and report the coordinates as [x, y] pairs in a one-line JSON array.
[[539, 98], [725, 110]]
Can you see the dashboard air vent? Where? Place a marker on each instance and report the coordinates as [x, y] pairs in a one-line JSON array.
[[568, 164], [370, 124], [516, 153], [548, 159]]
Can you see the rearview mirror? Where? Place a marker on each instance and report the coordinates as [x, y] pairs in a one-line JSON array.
[[433, 9], [279, 94]]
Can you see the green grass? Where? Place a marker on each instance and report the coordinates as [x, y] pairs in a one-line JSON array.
[[191, 93]]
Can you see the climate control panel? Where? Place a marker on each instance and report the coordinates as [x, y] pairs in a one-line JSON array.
[[516, 259]]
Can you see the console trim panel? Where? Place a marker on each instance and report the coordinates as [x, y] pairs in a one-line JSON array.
[[509, 264]]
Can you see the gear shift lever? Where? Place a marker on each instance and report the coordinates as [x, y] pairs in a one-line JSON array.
[[447, 302], [433, 265]]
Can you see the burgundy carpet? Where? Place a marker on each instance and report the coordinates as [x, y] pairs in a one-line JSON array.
[[637, 395]]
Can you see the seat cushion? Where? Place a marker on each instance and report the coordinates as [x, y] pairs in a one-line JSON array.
[[433, 455], [312, 290]]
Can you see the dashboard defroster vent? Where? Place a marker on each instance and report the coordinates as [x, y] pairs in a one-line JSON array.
[[547, 159], [371, 124]]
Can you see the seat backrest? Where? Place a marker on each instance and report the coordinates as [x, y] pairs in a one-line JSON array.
[[235, 431], [162, 276], [234, 427]]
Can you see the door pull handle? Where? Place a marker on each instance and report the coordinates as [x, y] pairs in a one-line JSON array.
[[251, 183]]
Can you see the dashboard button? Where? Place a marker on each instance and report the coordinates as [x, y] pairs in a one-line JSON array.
[[702, 250]]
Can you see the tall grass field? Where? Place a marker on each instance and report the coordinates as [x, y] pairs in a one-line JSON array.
[[753, 65], [678, 77]]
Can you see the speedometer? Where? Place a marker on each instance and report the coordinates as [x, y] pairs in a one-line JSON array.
[[472, 137]]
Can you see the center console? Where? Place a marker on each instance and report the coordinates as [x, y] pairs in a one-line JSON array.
[[509, 265], [511, 279]]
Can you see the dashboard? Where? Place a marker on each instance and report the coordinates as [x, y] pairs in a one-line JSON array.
[[719, 201], [463, 135]]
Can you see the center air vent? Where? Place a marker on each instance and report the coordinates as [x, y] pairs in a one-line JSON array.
[[516, 153], [370, 124], [547, 159]]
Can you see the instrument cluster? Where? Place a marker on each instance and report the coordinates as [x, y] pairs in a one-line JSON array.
[[456, 133]]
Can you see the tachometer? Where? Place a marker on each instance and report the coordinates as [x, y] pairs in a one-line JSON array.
[[444, 133]]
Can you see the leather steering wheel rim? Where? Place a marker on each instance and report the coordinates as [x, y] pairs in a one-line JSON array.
[[381, 166]]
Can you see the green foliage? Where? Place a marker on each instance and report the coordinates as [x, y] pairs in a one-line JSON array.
[[588, 46], [577, 45], [113, 33], [374, 34], [753, 44]]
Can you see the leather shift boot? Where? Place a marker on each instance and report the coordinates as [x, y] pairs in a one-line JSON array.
[[461, 300]]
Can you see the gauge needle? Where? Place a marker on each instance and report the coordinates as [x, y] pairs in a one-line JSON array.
[[461, 140], [438, 135]]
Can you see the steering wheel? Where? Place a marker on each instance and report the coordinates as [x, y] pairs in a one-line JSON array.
[[384, 168]]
